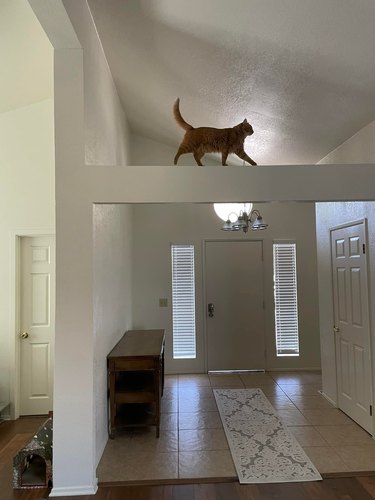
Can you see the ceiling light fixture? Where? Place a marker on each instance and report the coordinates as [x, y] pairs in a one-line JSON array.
[[239, 216]]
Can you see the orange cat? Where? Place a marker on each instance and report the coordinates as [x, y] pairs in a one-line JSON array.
[[212, 140]]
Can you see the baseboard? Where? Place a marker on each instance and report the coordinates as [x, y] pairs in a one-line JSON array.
[[328, 399], [274, 369], [234, 372], [71, 491], [300, 369]]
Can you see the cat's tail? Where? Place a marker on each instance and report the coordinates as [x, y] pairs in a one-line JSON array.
[[178, 117]]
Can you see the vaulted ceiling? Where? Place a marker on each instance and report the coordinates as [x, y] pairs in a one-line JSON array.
[[301, 71], [26, 56]]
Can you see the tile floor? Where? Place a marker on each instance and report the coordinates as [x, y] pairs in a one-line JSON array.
[[192, 443]]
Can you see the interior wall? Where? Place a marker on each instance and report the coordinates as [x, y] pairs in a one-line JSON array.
[[85, 101], [358, 149], [106, 128], [330, 215], [157, 226], [27, 203], [112, 264]]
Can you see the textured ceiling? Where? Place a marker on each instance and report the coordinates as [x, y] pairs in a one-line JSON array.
[[26, 57], [301, 71]]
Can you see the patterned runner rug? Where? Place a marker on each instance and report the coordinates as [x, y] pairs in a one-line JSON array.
[[263, 450]]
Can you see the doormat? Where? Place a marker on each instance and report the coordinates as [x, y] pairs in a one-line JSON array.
[[263, 450]]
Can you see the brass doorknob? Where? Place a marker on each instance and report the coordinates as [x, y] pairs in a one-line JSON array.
[[24, 335]]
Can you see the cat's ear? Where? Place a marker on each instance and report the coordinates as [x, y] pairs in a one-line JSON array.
[[245, 121]]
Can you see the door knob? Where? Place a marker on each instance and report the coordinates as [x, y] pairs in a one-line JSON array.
[[24, 335], [211, 310], [336, 329]]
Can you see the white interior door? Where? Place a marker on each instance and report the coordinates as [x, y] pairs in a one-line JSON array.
[[234, 287], [352, 329], [37, 322]]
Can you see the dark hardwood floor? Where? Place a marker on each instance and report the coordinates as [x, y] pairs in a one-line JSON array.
[[13, 435]]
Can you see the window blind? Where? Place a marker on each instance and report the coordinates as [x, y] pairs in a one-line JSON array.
[[285, 295], [183, 301]]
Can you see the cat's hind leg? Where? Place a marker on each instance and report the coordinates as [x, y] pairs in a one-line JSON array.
[[181, 151]]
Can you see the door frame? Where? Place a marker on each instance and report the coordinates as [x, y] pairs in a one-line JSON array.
[[15, 318], [204, 290], [371, 336]]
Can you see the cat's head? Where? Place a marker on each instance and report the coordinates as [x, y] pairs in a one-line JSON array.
[[246, 127]]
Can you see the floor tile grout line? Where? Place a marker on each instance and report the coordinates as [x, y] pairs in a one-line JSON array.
[[302, 395]]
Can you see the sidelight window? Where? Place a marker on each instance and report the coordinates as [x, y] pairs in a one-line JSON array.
[[183, 301], [285, 295]]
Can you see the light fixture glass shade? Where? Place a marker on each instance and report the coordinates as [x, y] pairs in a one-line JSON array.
[[227, 226], [231, 211], [259, 224], [240, 223]]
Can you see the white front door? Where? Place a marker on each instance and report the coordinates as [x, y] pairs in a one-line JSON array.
[[234, 305], [351, 328], [37, 324]]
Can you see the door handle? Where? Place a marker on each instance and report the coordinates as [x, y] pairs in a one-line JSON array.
[[211, 310], [24, 335], [336, 329]]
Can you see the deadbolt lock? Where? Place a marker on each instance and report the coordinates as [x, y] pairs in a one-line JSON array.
[[211, 310]]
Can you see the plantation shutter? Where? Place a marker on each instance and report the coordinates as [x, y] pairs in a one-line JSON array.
[[183, 301], [285, 294]]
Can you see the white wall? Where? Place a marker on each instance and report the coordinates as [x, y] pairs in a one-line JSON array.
[[27, 204], [157, 226], [330, 215], [90, 127], [358, 149], [106, 129], [112, 264]]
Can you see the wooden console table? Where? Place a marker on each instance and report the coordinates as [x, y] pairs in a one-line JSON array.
[[136, 380]]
